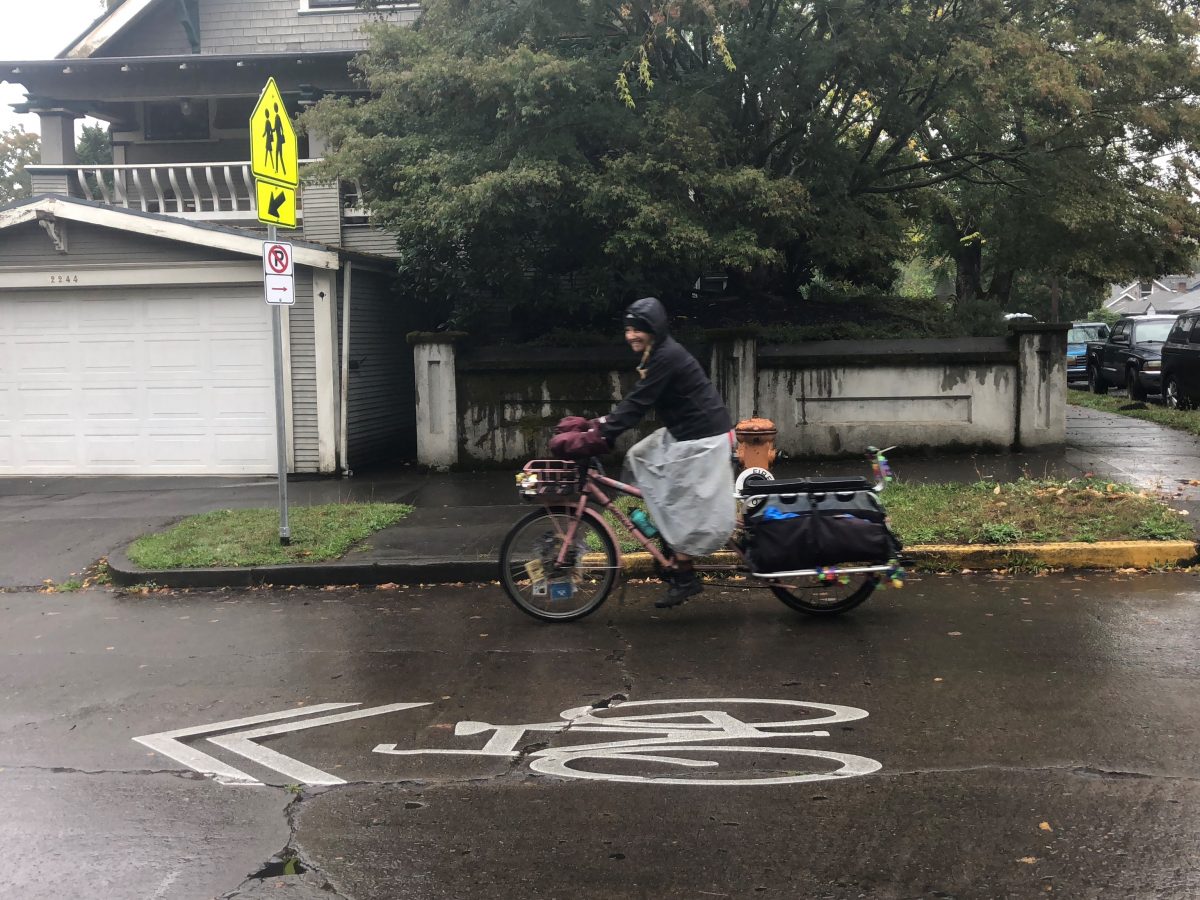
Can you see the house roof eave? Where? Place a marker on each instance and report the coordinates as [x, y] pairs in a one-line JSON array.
[[70, 82], [105, 28], [217, 237]]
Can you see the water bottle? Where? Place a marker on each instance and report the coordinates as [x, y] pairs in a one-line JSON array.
[[642, 523]]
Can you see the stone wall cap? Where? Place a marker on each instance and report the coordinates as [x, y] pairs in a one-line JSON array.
[[733, 333], [513, 358], [1018, 326], [435, 337]]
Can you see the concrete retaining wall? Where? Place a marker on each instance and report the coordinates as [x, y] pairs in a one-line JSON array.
[[834, 398], [827, 399]]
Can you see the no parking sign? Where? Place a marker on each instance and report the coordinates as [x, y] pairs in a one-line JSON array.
[[279, 286]]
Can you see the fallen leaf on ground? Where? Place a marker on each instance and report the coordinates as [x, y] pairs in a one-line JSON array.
[[1045, 826], [1028, 860]]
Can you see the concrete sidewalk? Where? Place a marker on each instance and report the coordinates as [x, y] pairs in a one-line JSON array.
[[51, 528]]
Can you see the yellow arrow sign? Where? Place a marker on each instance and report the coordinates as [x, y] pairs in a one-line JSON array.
[[274, 153], [276, 204]]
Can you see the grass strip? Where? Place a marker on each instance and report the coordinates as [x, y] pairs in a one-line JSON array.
[[1024, 511], [1030, 511], [1179, 419], [250, 537]]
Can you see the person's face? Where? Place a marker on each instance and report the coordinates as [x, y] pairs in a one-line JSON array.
[[638, 341]]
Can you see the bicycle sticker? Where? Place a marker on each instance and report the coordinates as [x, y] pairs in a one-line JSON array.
[[653, 741], [534, 570], [540, 588], [562, 590]]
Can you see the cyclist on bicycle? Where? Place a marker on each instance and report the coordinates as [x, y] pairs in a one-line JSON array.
[[682, 469]]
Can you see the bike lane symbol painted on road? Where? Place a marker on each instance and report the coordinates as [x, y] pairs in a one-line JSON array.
[[237, 736], [680, 733], [657, 738]]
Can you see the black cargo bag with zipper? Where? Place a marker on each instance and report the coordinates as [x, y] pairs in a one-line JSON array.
[[788, 532]]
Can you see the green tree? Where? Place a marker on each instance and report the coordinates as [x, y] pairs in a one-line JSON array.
[[1082, 121], [18, 149], [94, 147], [577, 152]]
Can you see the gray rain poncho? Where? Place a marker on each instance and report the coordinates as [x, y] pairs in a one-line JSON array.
[[684, 470], [688, 486]]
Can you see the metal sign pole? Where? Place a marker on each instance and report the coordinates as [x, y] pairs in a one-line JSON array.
[[285, 531], [275, 164]]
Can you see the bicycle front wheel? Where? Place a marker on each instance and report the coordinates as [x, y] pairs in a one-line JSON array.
[[536, 581], [819, 598]]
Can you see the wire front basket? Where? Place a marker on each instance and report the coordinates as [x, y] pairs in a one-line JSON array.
[[548, 478]]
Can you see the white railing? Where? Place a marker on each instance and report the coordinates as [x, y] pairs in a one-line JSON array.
[[212, 190]]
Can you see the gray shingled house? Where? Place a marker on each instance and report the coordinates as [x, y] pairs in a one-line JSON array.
[[133, 334]]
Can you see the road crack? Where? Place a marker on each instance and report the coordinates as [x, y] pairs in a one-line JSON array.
[[69, 770], [619, 657], [291, 867], [1080, 771]]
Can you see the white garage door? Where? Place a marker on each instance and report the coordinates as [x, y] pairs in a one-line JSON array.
[[136, 381]]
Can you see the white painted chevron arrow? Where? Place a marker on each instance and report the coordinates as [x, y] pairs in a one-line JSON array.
[[169, 744]]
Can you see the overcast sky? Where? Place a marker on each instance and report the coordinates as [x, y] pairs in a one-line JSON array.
[[38, 30]]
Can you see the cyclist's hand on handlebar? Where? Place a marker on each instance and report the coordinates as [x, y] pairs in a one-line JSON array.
[[572, 423], [579, 444]]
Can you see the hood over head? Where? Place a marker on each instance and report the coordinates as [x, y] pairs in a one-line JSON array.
[[648, 314]]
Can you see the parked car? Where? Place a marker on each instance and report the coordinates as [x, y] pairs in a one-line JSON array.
[[1131, 357], [1181, 363], [1077, 341]]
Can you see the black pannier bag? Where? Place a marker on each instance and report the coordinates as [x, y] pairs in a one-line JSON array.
[[788, 532]]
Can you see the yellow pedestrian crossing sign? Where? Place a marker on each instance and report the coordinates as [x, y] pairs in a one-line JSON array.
[[276, 204], [274, 154]]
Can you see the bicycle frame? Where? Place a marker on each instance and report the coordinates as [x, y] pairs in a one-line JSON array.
[[591, 491], [593, 481]]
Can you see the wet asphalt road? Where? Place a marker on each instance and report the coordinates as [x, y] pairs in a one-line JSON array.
[[1036, 736]]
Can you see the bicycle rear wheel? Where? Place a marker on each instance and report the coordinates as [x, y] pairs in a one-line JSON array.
[[545, 590], [817, 598]]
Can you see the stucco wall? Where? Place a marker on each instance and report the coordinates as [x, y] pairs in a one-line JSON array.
[[836, 398], [827, 399], [509, 400]]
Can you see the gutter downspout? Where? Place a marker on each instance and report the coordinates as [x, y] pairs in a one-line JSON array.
[[344, 448]]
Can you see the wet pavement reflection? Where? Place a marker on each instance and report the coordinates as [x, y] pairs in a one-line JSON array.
[[968, 736]]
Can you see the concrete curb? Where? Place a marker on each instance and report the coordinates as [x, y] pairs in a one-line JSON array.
[[411, 571], [1100, 555]]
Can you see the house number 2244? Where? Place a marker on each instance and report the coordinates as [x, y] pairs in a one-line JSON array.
[[64, 279]]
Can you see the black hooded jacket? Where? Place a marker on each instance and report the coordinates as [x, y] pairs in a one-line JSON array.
[[674, 385]]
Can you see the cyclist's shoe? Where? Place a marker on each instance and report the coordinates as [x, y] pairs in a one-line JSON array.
[[680, 586]]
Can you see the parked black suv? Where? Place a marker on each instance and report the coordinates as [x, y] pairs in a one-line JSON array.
[[1181, 363], [1131, 356]]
